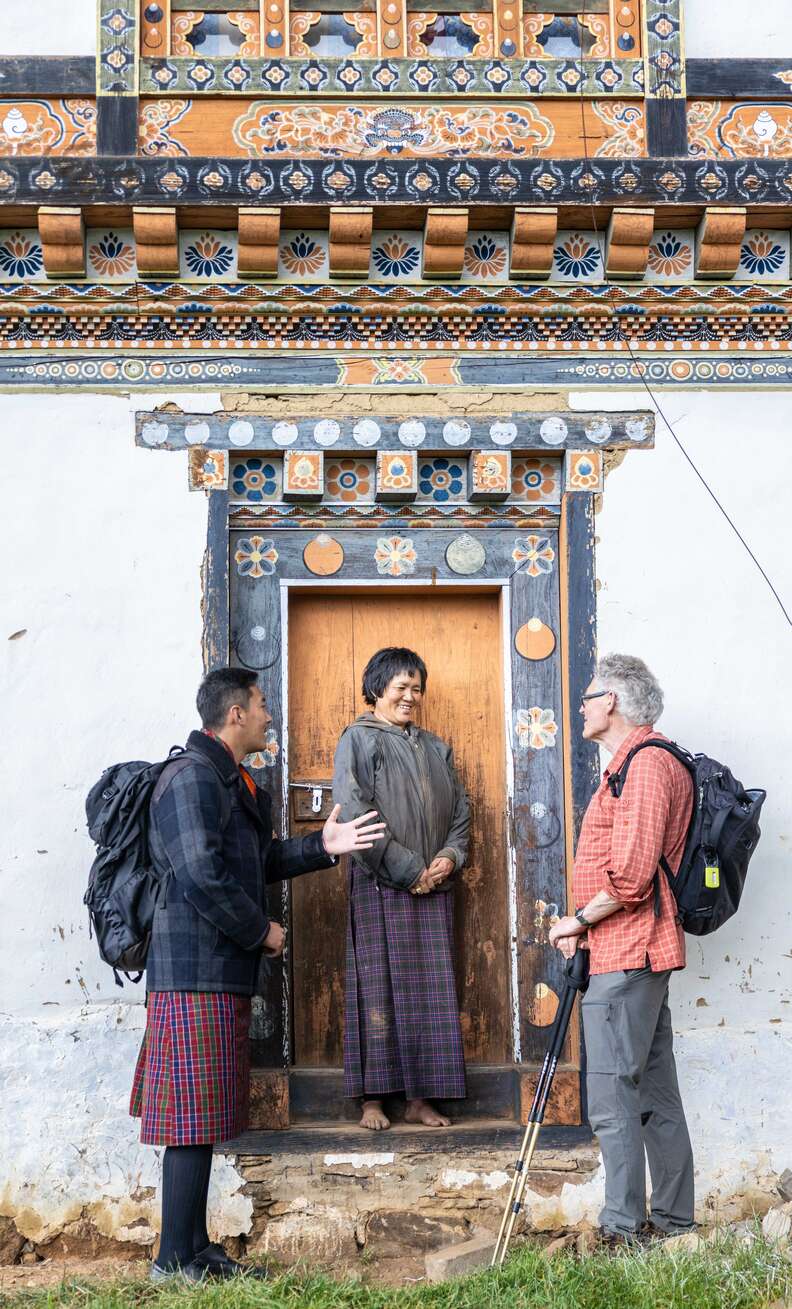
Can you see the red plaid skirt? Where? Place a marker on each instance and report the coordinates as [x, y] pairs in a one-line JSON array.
[[192, 1079]]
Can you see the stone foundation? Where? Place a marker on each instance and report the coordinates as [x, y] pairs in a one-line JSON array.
[[330, 1206]]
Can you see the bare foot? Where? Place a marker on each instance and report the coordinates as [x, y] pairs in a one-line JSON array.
[[373, 1117], [420, 1111]]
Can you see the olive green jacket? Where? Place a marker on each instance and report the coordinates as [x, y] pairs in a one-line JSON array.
[[408, 776]]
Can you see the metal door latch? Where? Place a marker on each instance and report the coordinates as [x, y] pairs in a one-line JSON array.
[[316, 792]]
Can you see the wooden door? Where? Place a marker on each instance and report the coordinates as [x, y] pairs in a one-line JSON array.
[[459, 636]]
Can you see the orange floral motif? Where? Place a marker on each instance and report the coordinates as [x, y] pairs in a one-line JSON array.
[[156, 120], [536, 728], [535, 480], [625, 138], [268, 757], [348, 480]]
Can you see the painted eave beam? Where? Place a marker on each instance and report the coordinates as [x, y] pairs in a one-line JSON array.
[[626, 182], [740, 79], [33, 75], [543, 431]]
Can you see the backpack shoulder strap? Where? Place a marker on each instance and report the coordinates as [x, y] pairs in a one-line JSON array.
[[616, 780], [181, 756]]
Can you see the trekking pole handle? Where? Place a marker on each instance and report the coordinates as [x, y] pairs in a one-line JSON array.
[[576, 973]]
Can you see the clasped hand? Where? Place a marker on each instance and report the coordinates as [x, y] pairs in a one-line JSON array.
[[433, 876]]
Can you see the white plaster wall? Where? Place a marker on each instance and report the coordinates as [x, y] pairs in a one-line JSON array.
[[48, 27], [714, 29], [677, 588], [101, 546]]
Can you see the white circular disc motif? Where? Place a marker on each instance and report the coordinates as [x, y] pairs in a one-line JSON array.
[[327, 431], [598, 430], [503, 433], [258, 633], [240, 432], [196, 433], [456, 432], [154, 433], [553, 430], [465, 555], [366, 432], [637, 428], [412, 433], [285, 433]]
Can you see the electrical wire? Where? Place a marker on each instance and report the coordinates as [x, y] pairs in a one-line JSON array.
[[639, 370]]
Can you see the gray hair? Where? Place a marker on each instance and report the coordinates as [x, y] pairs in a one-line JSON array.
[[639, 697]]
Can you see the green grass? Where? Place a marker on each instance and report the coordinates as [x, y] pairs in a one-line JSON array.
[[727, 1275]]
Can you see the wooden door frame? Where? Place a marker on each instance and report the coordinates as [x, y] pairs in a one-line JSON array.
[[580, 759]]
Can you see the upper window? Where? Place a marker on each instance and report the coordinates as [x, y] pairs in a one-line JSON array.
[[234, 30], [563, 31], [325, 29], [454, 29]]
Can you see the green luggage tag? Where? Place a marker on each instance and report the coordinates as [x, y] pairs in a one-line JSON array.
[[712, 876]]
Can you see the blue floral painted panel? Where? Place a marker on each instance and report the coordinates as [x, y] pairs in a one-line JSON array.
[[256, 479], [442, 480]]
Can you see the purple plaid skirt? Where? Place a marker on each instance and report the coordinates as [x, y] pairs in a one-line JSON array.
[[192, 1079], [402, 1029]]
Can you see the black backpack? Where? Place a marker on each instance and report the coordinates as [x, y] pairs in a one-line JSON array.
[[123, 885], [723, 834]]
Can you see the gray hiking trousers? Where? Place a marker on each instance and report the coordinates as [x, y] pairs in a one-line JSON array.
[[634, 1103]]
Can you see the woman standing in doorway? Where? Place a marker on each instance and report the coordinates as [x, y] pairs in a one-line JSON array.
[[402, 1031]]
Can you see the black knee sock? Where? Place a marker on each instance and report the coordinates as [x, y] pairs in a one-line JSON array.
[[185, 1183], [200, 1234]]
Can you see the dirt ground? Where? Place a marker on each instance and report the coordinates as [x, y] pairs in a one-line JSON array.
[[403, 1271]]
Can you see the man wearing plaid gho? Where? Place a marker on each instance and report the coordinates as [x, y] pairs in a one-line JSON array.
[[635, 942], [211, 838]]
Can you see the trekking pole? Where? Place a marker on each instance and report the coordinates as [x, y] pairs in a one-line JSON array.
[[576, 979]]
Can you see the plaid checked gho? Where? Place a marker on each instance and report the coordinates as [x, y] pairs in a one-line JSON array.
[[192, 1080], [619, 850]]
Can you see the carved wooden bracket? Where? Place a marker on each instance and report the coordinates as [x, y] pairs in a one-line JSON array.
[[157, 238], [718, 240], [350, 241], [445, 234], [629, 236], [62, 233], [259, 233], [533, 238]]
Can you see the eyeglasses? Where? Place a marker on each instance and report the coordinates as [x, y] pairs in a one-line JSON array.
[[592, 695]]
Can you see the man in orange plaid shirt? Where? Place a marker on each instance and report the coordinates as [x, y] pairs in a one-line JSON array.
[[635, 943]]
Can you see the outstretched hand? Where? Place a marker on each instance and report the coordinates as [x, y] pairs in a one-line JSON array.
[[359, 834]]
